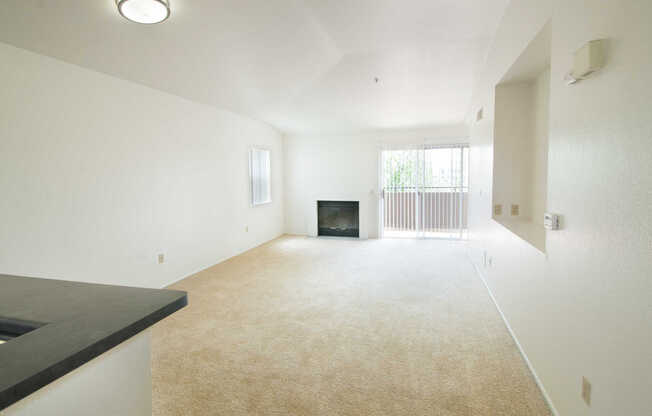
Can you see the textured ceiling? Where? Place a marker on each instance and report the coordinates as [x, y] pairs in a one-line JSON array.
[[302, 66]]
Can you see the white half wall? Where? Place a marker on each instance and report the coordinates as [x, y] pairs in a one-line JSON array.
[[118, 382], [99, 175], [584, 308], [345, 167]]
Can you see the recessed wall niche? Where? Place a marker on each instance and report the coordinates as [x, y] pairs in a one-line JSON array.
[[521, 127]]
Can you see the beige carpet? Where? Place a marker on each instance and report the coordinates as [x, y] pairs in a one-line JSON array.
[[306, 326]]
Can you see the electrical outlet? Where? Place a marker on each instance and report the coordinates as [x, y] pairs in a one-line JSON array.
[[498, 209], [515, 209], [246, 228], [490, 261], [161, 258], [586, 391]]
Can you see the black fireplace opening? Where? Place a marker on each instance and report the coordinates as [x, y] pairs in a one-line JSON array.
[[338, 218]]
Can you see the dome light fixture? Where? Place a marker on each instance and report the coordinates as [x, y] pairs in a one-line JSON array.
[[144, 11]]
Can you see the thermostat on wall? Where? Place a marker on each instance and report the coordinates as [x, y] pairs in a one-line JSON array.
[[551, 221]]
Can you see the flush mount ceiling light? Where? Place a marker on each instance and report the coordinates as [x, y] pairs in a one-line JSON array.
[[144, 11]]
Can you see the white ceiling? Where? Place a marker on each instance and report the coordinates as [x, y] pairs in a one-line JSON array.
[[302, 66]]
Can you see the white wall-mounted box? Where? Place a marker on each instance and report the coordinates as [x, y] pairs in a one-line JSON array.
[[588, 59], [550, 221]]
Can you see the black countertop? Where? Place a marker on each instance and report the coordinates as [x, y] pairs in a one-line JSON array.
[[78, 322]]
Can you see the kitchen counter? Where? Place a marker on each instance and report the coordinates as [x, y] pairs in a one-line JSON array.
[[71, 323]]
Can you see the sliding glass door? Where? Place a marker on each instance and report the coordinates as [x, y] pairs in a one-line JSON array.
[[425, 191]]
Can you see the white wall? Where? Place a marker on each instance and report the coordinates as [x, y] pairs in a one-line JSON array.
[[99, 175], [118, 382], [520, 155], [512, 179], [345, 165], [585, 308], [538, 191]]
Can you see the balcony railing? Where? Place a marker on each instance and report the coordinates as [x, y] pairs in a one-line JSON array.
[[426, 209]]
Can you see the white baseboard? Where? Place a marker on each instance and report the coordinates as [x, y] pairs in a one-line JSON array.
[[201, 269], [518, 344]]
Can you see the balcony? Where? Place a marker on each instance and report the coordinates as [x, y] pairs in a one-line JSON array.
[[432, 212]]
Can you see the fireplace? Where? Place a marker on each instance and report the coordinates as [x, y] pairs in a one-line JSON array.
[[338, 218]]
